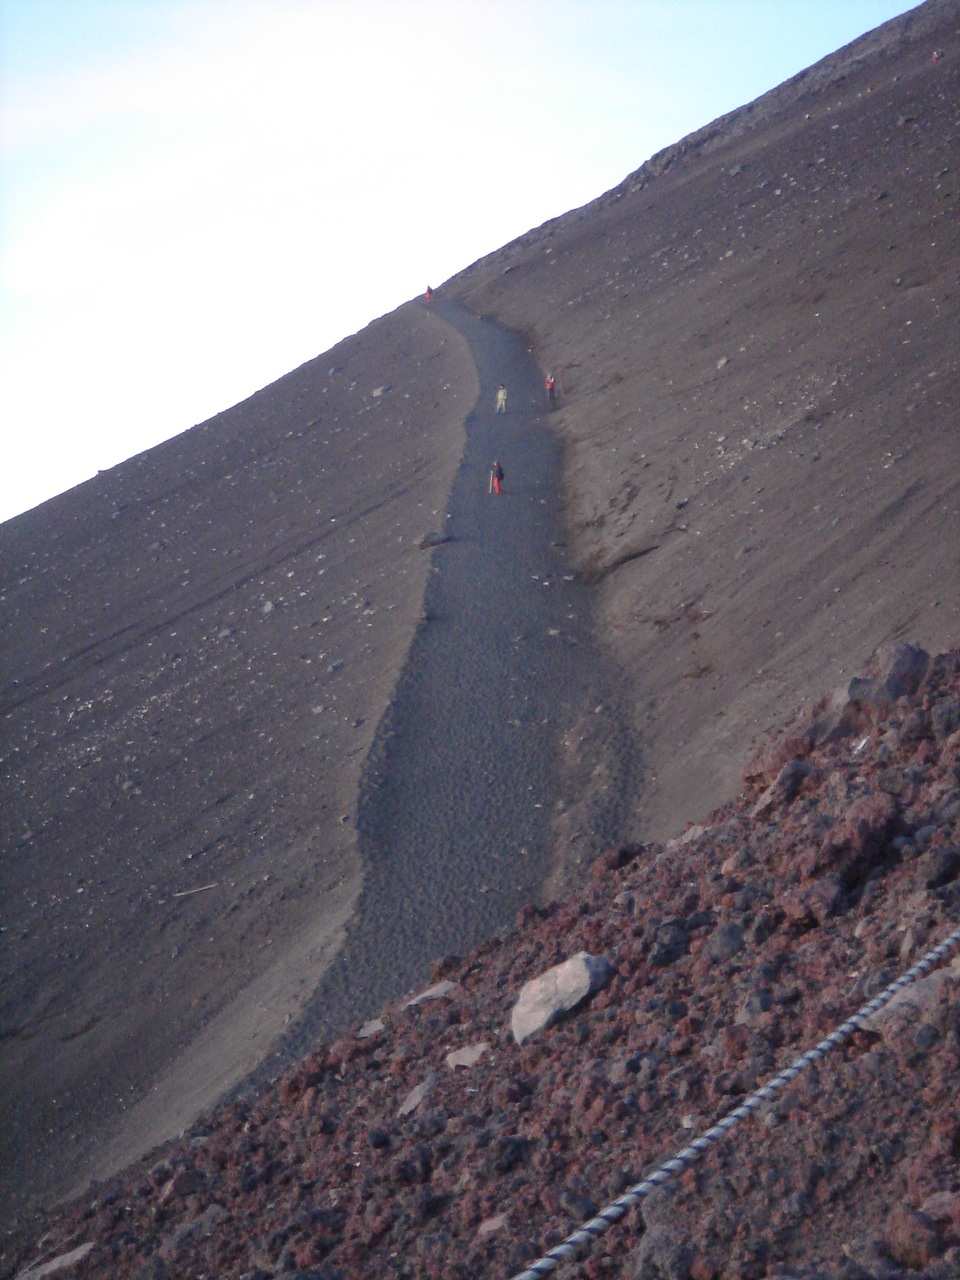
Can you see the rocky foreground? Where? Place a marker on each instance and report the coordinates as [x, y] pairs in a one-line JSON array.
[[430, 1143]]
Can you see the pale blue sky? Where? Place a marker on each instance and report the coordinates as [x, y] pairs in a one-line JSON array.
[[196, 196]]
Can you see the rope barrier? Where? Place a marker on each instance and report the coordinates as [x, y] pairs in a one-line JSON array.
[[666, 1171]]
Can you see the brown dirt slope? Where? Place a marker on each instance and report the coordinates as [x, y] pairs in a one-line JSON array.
[[197, 648], [755, 339]]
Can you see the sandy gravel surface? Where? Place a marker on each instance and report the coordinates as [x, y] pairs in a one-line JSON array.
[[197, 648], [222, 625], [755, 335], [478, 761]]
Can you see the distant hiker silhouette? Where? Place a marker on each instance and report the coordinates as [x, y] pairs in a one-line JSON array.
[[551, 387], [501, 399], [427, 297], [496, 478]]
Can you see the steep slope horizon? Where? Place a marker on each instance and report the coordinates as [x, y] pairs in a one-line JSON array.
[[642, 302], [755, 339], [197, 648]]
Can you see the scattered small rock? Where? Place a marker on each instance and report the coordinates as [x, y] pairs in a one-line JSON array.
[[416, 1096], [436, 992], [55, 1265], [489, 1225], [468, 1057]]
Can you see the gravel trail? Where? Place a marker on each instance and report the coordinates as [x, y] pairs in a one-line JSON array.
[[464, 782]]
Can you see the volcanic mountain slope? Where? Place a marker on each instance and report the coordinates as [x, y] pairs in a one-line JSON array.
[[197, 648], [435, 1142], [755, 338]]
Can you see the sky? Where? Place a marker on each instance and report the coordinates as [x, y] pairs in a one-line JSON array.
[[197, 196]]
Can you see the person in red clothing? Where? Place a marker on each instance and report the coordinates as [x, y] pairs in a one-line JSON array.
[[496, 478], [428, 295], [551, 386]]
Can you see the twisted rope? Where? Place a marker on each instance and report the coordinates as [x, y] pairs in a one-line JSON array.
[[670, 1168]]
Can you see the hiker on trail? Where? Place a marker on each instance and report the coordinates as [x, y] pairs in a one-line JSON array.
[[551, 386], [502, 399], [496, 478], [428, 295]]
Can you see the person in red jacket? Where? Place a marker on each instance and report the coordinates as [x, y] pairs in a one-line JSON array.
[[496, 478]]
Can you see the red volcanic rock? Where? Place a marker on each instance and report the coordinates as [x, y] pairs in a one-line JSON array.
[[782, 790], [183, 1183], [912, 1238], [943, 1208], [861, 839], [615, 859], [814, 903]]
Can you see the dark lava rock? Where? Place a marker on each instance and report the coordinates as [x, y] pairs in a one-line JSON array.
[[725, 942], [945, 718], [939, 866], [670, 943]]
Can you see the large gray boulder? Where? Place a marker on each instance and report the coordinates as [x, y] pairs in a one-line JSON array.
[[544, 1000]]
